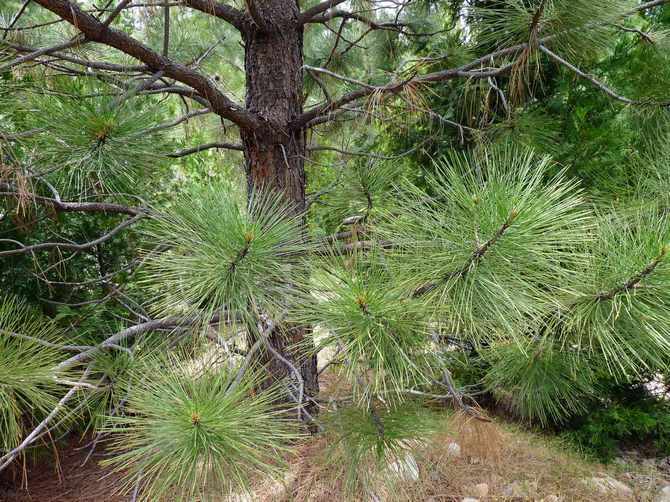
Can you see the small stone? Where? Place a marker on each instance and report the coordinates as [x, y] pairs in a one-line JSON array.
[[610, 486], [495, 480], [479, 490], [518, 489], [469, 499], [454, 450], [405, 468], [663, 495], [240, 497], [552, 498]]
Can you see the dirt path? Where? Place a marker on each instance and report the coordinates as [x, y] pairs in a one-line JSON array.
[[67, 482]]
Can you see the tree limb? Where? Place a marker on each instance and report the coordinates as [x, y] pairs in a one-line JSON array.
[[206, 146], [235, 17], [131, 332], [74, 207], [95, 31], [600, 85], [22, 249], [306, 16]]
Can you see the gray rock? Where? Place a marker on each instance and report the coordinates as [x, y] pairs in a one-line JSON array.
[[454, 450], [405, 468], [663, 495], [521, 489], [480, 490], [609, 486]]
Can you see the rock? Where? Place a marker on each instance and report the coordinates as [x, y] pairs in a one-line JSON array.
[[405, 468], [609, 486], [521, 489], [496, 480], [480, 490], [469, 499], [240, 497], [552, 498], [663, 495], [454, 450]]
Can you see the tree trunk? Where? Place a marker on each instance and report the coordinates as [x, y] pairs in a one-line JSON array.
[[274, 157]]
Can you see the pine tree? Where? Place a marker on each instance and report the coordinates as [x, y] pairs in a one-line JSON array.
[[183, 319]]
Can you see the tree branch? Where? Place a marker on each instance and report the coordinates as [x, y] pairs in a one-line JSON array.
[[131, 332], [600, 85], [95, 31], [306, 16], [314, 115], [634, 281], [233, 16], [35, 434], [22, 249], [206, 146], [74, 207], [395, 87], [476, 255]]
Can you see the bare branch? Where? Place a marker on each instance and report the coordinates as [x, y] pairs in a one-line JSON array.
[[600, 85], [74, 207], [41, 52], [233, 16], [96, 65], [179, 120], [131, 332], [45, 343], [22, 249], [7, 459], [95, 31], [16, 17], [206, 146], [306, 17]]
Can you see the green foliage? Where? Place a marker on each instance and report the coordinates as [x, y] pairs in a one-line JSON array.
[[221, 254], [490, 250], [191, 432], [379, 331], [361, 441], [540, 381], [362, 191], [97, 145], [641, 424], [578, 28], [492, 245], [620, 313], [28, 383]]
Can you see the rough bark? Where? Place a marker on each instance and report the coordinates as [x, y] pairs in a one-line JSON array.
[[274, 154]]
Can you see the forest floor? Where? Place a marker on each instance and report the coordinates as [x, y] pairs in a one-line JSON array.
[[470, 461], [476, 462]]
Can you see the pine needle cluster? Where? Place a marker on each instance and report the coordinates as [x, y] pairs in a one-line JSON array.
[[29, 387], [191, 435]]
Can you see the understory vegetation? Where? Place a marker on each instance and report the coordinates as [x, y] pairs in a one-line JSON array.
[[458, 211]]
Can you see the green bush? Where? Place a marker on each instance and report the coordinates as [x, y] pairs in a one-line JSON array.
[[644, 424]]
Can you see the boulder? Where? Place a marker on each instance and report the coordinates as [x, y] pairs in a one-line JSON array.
[[521, 489], [663, 495], [454, 450], [607, 485], [480, 490], [405, 468]]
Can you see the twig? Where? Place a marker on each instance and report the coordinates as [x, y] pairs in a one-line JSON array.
[[7, 459]]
